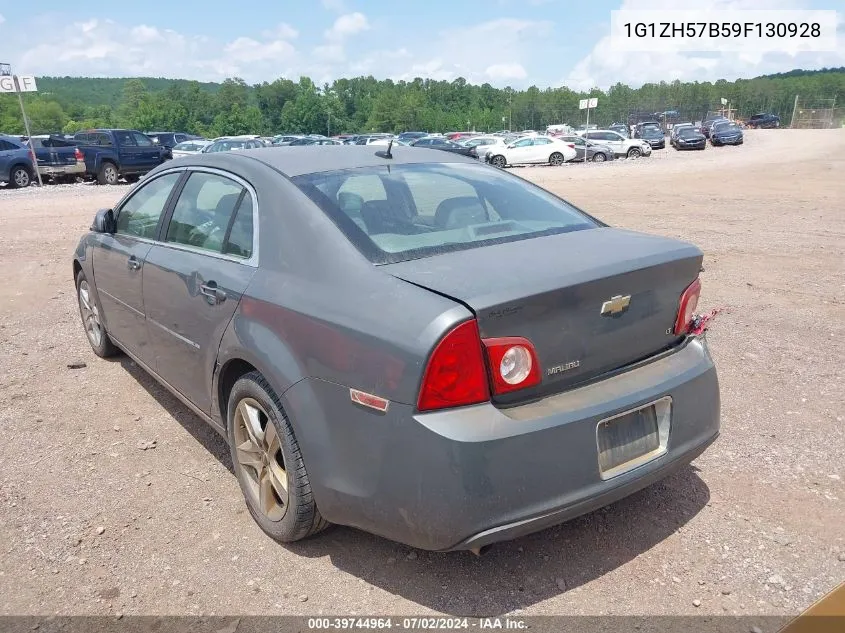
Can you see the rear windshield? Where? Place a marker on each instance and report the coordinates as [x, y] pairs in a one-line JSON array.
[[397, 213]]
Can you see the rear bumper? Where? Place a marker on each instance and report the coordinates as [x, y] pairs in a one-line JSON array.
[[472, 476], [62, 170]]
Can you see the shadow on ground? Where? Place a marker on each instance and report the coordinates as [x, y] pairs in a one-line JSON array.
[[509, 576]]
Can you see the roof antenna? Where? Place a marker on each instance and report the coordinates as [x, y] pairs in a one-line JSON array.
[[387, 153]]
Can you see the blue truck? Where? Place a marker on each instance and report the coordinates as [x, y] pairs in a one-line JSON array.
[[16, 168], [111, 154]]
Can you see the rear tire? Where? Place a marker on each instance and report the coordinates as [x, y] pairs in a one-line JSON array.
[[268, 463], [556, 159], [19, 177], [108, 174], [498, 161]]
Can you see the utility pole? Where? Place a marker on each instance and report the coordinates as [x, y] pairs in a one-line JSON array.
[[794, 110]]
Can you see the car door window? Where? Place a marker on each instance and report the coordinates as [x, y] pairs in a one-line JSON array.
[[542, 141], [103, 140], [141, 140], [526, 142], [204, 211], [125, 139], [140, 214], [5, 146]]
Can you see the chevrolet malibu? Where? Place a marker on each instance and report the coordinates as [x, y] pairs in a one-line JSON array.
[[404, 340]]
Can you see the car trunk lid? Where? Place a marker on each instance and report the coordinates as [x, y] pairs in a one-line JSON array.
[[590, 301]]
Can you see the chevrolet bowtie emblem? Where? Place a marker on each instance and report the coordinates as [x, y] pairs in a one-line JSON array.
[[615, 305]]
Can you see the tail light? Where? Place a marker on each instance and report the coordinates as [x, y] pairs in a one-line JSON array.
[[571, 145], [455, 375], [513, 363], [687, 306], [79, 155]]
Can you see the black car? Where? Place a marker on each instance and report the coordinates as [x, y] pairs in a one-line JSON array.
[[709, 122], [726, 133], [169, 140], [652, 135], [689, 138], [621, 128], [640, 128], [446, 145], [763, 120], [411, 136]]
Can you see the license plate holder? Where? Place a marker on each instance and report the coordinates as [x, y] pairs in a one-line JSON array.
[[630, 439]]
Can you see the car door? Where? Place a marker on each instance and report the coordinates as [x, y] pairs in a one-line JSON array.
[[149, 154], [521, 151], [195, 276], [119, 263], [128, 151], [541, 150], [614, 141], [6, 152]]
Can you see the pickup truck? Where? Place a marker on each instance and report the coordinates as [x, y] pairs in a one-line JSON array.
[[16, 166], [763, 120], [110, 154], [59, 160]]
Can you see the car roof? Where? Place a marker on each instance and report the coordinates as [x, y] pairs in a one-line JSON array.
[[310, 159]]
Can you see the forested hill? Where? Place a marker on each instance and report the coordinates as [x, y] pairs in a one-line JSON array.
[[367, 104]]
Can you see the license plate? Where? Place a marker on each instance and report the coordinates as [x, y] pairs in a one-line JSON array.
[[633, 438]]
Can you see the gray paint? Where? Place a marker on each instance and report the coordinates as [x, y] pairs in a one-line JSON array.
[[316, 318]]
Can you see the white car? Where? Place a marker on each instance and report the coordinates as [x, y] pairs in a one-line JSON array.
[[621, 146], [531, 150], [480, 144], [189, 148]]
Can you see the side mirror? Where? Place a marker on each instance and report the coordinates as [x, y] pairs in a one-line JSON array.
[[104, 222]]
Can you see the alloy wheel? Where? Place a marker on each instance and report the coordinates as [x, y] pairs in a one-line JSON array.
[[111, 175], [260, 459], [498, 161], [90, 315], [21, 178]]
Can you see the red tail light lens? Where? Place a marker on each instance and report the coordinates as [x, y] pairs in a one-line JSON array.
[[79, 154], [513, 363], [455, 375], [687, 306]]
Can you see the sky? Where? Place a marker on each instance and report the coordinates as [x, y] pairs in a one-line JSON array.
[[502, 42]]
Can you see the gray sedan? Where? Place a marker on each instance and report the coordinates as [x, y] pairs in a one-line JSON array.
[[595, 152], [404, 340]]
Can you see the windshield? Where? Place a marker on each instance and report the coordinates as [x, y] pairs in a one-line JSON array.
[[726, 127], [689, 132], [403, 212], [225, 146]]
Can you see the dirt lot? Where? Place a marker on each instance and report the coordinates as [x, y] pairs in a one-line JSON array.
[[90, 524]]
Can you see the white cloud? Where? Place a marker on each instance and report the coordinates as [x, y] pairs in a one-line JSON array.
[[338, 6], [2, 19], [246, 49], [498, 72], [603, 66], [282, 31], [330, 53], [347, 25]]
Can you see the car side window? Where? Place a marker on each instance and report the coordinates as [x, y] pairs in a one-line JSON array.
[[6, 146], [140, 214], [524, 142], [239, 240], [542, 141], [141, 140], [103, 139], [125, 138], [203, 211]]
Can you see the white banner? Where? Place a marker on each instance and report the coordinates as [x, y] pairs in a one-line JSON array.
[[26, 83], [582, 105], [593, 102]]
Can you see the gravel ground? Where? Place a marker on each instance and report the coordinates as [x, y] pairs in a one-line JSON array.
[[92, 524]]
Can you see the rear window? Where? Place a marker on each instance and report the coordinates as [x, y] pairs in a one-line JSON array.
[[403, 212]]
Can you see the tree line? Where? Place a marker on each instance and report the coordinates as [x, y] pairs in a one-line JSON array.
[[365, 104]]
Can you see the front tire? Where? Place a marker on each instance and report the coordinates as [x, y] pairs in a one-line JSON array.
[[635, 152], [108, 174], [91, 313], [599, 158], [556, 159], [498, 161], [268, 463], [20, 178]]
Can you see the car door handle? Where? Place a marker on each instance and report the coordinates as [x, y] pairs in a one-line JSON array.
[[134, 263], [212, 293]]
